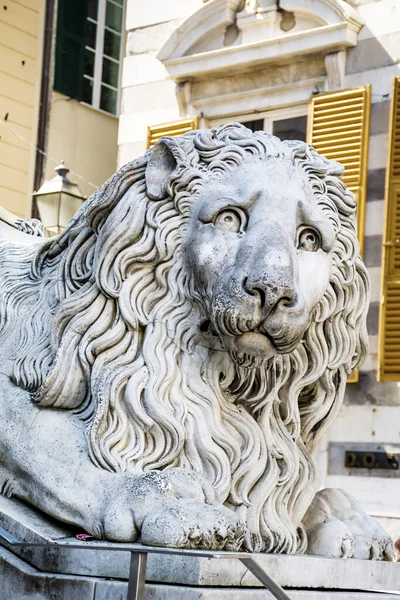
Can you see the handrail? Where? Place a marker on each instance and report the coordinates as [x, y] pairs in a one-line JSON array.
[[139, 552]]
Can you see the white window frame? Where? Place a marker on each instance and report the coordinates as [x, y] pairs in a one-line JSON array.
[[98, 58], [269, 116]]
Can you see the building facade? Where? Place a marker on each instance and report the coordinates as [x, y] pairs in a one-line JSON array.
[[59, 94], [21, 42], [324, 71]]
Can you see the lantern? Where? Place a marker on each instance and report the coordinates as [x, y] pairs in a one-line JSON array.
[[58, 199]]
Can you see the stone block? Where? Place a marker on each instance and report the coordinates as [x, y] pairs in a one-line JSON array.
[[380, 117], [86, 573], [148, 40], [19, 581], [372, 11], [374, 53], [380, 79], [142, 68], [154, 592], [361, 2], [133, 127], [28, 524], [373, 250], [373, 318], [115, 590], [22, 582], [376, 184], [144, 97], [378, 495], [369, 391], [373, 343], [291, 571], [374, 218], [141, 14], [367, 423], [370, 363], [377, 156], [375, 277]]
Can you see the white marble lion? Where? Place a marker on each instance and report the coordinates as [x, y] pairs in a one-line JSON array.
[[169, 362]]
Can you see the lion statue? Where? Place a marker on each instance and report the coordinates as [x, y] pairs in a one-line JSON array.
[[170, 361]]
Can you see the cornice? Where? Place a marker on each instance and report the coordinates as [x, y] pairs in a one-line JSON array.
[[326, 39]]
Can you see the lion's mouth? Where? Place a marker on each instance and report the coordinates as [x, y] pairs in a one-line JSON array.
[[250, 347]]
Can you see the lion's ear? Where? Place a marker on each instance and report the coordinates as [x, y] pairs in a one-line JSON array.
[[161, 164]]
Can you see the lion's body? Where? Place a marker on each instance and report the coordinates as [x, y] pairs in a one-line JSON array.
[[100, 332]]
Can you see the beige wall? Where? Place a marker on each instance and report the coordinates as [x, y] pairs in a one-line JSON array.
[[85, 138], [20, 49]]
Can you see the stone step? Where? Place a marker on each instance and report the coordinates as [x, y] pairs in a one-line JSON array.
[[20, 581], [203, 578]]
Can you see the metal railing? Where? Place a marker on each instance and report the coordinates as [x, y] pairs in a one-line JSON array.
[[137, 570]]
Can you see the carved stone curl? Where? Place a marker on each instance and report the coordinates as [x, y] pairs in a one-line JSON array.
[[170, 361]]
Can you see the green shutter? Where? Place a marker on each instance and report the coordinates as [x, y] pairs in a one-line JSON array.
[[70, 47]]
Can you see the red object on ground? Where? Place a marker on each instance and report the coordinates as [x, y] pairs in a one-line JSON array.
[[84, 537]]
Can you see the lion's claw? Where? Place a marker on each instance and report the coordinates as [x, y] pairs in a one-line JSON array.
[[193, 525]]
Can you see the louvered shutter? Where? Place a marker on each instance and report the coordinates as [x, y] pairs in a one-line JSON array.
[[155, 132], [338, 128], [389, 325], [70, 47]]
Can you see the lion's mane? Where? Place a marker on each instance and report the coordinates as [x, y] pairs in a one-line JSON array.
[[109, 331]]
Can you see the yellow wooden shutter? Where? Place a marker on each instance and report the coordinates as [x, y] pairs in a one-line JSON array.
[[338, 128], [155, 132], [389, 321]]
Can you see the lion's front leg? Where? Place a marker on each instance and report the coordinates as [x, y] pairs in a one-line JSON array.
[[174, 508], [336, 526], [44, 461]]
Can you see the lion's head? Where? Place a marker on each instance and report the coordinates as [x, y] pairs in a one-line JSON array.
[[204, 310]]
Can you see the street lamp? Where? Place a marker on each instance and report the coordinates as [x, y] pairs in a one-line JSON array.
[[58, 200]]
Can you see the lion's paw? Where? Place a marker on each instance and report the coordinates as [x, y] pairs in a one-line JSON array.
[[371, 542], [194, 525], [140, 499], [331, 538], [337, 527]]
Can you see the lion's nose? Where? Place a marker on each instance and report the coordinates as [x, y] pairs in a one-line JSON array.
[[270, 294]]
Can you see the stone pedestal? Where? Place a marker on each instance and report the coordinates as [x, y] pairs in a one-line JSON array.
[[60, 574]]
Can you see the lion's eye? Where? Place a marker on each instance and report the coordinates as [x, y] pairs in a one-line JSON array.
[[230, 220], [309, 240]]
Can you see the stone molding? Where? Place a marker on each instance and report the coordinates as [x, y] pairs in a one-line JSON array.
[[244, 102], [329, 38], [335, 65], [207, 22], [215, 17], [196, 50]]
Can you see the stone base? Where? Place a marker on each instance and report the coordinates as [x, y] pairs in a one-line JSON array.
[[61, 574], [20, 581]]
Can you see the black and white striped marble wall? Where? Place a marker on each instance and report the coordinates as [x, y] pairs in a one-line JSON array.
[[375, 61], [371, 414]]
